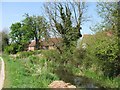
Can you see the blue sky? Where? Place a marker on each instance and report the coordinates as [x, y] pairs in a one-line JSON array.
[[13, 12]]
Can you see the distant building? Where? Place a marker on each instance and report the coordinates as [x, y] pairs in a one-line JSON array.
[[45, 44], [32, 45]]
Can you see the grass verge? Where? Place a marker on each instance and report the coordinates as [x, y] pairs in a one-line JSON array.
[[29, 72]]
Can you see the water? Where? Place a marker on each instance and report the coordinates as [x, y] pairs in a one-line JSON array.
[[78, 81]]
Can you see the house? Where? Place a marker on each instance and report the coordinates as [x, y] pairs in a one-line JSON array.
[[32, 45], [49, 43]]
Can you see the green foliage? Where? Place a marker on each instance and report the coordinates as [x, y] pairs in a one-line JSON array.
[[80, 54], [16, 32], [23, 32], [26, 54], [100, 59], [107, 51], [66, 30], [30, 72], [101, 54], [36, 27], [104, 81], [67, 21], [86, 61], [13, 48], [52, 55], [8, 49]]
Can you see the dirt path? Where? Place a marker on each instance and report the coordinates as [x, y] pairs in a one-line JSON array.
[[2, 74]]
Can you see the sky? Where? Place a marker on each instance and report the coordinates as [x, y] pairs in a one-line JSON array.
[[13, 12]]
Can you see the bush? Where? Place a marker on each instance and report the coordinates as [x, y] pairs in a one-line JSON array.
[[51, 55], [24, 54], [8, 49], [101, 52], [79, 55], [13, 48]]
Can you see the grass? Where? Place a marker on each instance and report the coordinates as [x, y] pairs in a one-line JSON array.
[[103, 81], [29, 72], [35, 71]]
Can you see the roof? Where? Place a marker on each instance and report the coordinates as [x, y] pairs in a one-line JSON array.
[[47, 42], [51, 41], [54, 40]]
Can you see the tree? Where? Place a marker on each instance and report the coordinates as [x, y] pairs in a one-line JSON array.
[[36, 26], [109, 13], [17, 36], [118, 27], [66, 19], [109, 55], [4, 40], [32, 27]]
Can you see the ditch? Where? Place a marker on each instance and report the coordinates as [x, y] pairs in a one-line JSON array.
[[78, 81]]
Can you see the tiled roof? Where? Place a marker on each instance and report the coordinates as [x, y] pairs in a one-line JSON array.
[[48, 42]]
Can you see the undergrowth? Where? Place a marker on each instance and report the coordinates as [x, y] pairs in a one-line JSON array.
[[30, 72]]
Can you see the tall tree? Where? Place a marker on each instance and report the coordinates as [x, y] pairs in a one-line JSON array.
[[66, 19], [37, 27], [109, 11], [17, 36], [32, 27]]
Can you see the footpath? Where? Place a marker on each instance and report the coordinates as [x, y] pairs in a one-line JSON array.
[[2, 73]]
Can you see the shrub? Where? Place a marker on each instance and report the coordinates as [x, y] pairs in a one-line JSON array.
[[13, 48], [51, 55], [24, 54], [101, 52], [24, 74]]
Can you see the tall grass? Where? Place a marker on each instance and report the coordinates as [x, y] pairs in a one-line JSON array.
[[86, 69], [35, 71], [29, 72], [102, 80]]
